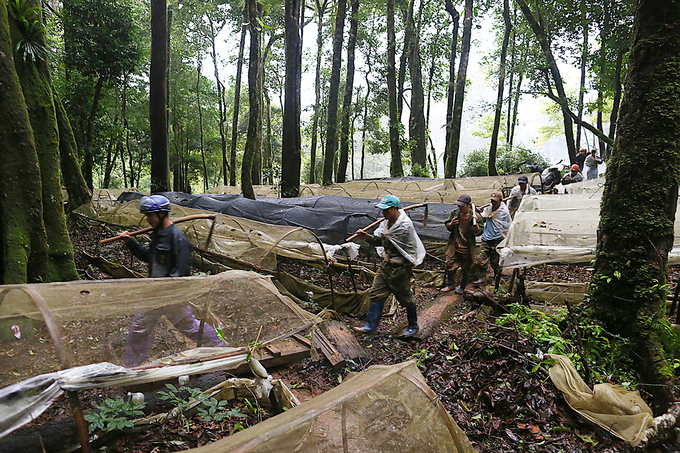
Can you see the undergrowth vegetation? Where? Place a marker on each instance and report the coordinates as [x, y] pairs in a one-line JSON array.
[[585, 343]]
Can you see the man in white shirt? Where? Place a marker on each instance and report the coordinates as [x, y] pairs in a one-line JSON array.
[[515, 199], [497, 222]]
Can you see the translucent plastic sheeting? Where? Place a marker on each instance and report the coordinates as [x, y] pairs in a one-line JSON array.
[[93, 318], [386, 409], [621, 412], [23, 402], [560, 228], [416, 190], [247, 240]]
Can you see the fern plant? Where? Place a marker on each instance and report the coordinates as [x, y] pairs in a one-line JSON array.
[[31, 48]]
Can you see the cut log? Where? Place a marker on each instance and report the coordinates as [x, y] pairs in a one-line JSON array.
[[345, 342], [334, 357], [431, 317]]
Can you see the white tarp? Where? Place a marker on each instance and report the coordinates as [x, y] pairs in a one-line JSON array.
[[24, 401], [560, 228]]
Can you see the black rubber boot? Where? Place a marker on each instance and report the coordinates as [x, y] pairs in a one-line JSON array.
[[373, 318], [463, 284], [450, 285], [412, 316]]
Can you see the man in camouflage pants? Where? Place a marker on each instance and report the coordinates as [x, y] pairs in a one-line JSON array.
[[402, 251]]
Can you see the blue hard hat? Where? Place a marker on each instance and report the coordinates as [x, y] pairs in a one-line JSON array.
[[388, 201], [154, 203]]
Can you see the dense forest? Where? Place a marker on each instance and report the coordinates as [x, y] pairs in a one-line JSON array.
[[228, 76]]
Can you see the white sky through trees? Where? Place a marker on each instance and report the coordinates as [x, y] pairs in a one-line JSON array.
[[480, 96]]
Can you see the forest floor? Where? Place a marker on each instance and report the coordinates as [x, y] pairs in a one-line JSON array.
[[481, 372]]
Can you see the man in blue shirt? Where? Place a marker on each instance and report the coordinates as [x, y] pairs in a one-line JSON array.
[[496, 225]]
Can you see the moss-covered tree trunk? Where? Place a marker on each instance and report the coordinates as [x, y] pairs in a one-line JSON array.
[[23, 242], [38, 93], [628, 291], [76, 186]]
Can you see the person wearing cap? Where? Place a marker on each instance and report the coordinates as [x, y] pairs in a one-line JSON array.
[[581, 158], [517, 193], [592, 161], [463, 225], [497, 222], [168, 255], [573, 176], [400, 247]]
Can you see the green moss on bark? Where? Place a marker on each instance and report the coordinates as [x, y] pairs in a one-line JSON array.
[[38, 94], [635, 234], [22, 239]]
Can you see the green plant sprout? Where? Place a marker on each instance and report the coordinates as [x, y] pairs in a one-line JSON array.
[[113, 414], [601, 353], [209, 408]]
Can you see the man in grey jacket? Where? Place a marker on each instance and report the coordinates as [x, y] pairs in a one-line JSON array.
[[168, 255]]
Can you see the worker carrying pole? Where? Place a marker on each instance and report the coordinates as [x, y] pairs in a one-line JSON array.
[[401, 249]]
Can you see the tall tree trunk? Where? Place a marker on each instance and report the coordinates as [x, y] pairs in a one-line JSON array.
[[254, 138], [176, 146], [501, 86], [76, 187], [332, 122], [221, 104], [629, 285], [111, 156], [89, 134], [256, 168], [515, 110], [158, 93], [320, 9], [613, 118], [109, 163], [557, 78], [405, 54], [455, 18], [23, 246], [396, 169], [584, 61], [417, 127], [345, 136], [369, 60], [199, 67], [511, 81], [38, 92], [432, 158], [291, 158], [268, 155], [237, 106], [453, 146]]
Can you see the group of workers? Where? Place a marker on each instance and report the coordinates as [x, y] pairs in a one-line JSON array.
[[396, 241], [583, 160]]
